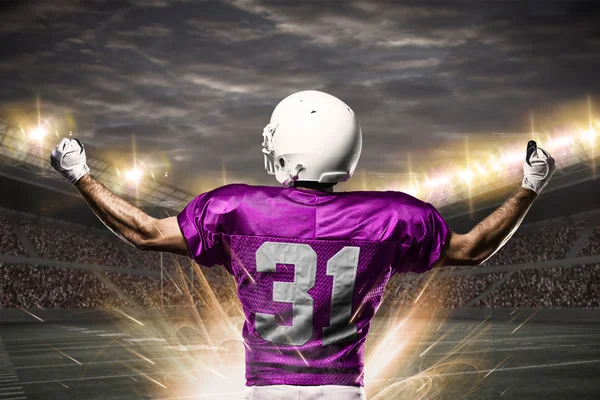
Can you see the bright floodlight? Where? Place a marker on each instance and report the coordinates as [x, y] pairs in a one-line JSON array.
[[560, 142], [466, 176], [134, 175], [38, 133], [588, 136], [412, 191], [513, 157], [438, 181]]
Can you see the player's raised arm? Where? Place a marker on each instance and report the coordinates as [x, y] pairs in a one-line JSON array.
[[128, 222], [494, 231]]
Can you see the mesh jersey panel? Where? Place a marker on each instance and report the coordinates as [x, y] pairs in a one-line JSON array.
[[310, 238]]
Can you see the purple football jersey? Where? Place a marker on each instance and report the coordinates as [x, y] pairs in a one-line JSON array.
[[310, 268]]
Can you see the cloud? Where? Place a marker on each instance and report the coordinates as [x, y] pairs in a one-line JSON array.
[[38, 16], [154, 3], [154, 30], [196, 82], [237, 31]]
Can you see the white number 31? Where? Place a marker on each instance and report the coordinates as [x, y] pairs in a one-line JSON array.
[[342, 267]]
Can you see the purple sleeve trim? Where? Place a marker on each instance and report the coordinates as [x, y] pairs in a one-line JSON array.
[[441, 234], [189, 231]]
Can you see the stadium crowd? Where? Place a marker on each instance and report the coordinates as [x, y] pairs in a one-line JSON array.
[[9, 243], [30, 286], [434, 292], [85, 246], [592, 247], [55, 243], [565, 287], [541, 243]]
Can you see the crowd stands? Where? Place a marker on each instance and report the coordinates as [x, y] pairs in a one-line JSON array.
[[549, 242], [41, 287], [29, 286], [545, 242], [151, 260], [442, 292], [54, 243], [592, 247], [9, 243], [565, 287], [37, 286]]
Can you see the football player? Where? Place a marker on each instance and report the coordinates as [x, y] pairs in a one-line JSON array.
[[310, 264]]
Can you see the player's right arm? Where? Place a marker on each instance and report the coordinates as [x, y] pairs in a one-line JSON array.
[[129, 223], [494, 231]]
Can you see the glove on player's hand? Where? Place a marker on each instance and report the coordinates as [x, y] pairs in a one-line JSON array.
[[68, 158], [538, 168]]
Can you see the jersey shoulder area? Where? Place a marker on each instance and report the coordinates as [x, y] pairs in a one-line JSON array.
[[288, 212], [229, 197]]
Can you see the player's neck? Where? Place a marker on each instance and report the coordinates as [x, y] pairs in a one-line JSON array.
[[315, 186]]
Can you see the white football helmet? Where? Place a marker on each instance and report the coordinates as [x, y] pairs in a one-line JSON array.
[[312, 136]]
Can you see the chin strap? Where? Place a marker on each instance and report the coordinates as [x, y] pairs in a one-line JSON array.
[[293, 175], [267, 148]]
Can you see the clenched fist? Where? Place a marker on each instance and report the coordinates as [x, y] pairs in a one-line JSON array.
[[68, 158], [538, 168]]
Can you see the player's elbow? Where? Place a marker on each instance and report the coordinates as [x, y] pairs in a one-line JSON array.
[[477, 254], [142, 244], [464, 260], [468, 261], [474, 260], [463, 250], [161, 234], [147, 236]]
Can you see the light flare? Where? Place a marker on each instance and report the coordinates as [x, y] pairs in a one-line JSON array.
[[134, 175], [527, 320], [38, 133], [131, 318], [34, 316]]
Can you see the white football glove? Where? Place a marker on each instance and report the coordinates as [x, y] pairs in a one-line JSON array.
[[538, 168], [68, 158]]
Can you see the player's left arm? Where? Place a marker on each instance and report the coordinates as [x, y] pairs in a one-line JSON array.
[[128, 222], [489, 235], [476, 246]]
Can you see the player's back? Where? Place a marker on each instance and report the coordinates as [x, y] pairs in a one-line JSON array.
[[311, 268]]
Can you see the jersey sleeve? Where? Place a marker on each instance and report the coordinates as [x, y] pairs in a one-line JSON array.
[[429, 234], [199, 223]]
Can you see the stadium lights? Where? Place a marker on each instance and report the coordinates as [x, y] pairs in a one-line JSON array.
[[438, 181], [560, 142], [38, 133], [479, 169], [412, 191], [588, 136], [134, 175], [466, 176], [493, 164], [513, 157]]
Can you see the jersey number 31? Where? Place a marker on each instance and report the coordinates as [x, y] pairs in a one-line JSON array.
[[341, 266]]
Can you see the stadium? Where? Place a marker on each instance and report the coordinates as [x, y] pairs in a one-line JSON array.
[[455, 100], [86, 316]]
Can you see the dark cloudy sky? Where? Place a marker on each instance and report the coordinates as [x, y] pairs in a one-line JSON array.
[[195, 81]]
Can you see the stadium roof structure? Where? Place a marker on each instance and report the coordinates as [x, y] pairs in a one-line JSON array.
[[26, 158], [576, 163], [463, 191]]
